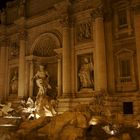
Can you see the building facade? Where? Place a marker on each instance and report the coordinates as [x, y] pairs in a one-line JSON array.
[[87, 46]]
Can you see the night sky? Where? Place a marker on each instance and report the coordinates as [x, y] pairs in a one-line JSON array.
[[2, 3]]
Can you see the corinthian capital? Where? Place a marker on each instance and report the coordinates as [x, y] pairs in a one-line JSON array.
[[98, 12], [23, 35], [65, 21]]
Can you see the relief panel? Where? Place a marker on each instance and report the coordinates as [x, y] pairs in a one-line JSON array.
[[83, 32]]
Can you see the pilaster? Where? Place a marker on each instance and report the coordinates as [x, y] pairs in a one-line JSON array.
[[137, 35], [66, 61], [21, 86], [59, 72], [3, 68], [31, 75], [100, 50], [22, 51]]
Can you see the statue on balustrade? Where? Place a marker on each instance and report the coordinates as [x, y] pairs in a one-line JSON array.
[[86, 74]]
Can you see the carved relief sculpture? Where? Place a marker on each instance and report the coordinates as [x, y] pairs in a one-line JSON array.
[[85, 73], [83, 32], [14, 81]]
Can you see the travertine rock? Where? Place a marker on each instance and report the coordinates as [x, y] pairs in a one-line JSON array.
[[65, 122], [71, 132], [31, 125], [126, 136], [113, 138]]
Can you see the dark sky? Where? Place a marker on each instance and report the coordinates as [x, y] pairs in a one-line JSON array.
[[3, 2]]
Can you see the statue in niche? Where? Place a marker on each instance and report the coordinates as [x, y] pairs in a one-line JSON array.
[[42, 80], [21, 8], [43, 102], [14, 82], [86, 74]]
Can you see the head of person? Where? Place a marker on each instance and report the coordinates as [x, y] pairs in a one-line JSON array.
[[41, 67], [85, 60]]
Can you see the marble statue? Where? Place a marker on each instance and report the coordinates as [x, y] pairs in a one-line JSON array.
[[6, 108], [86, 74], [43, 104], [14, 82], [42, 80]]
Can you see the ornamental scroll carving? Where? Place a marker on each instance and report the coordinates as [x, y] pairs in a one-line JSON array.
[[83, 31]]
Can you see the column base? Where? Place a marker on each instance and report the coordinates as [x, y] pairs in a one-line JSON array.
[[66, 95]]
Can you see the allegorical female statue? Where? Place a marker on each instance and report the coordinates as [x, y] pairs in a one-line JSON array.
[[14, 82], [86, 74]]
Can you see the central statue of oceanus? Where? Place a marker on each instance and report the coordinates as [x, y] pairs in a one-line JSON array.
[[44, 104]]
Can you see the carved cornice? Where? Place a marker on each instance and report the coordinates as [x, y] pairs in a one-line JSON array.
[[97, 13], [4, 41], [136, 7], [20, 22], [63, 7]]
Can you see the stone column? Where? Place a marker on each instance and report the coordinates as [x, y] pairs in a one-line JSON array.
[[3, 63], [59, 77], [109, 52], [137, 36], [66, 66], [100, 51], [31, 80], [73, 72], [21, 84]]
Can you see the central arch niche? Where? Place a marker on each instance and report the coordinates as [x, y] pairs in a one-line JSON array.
[[45, 45], [43, 53]]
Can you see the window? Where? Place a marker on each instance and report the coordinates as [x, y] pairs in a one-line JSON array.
[[122, 18], [128, 107], [125, 70]]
